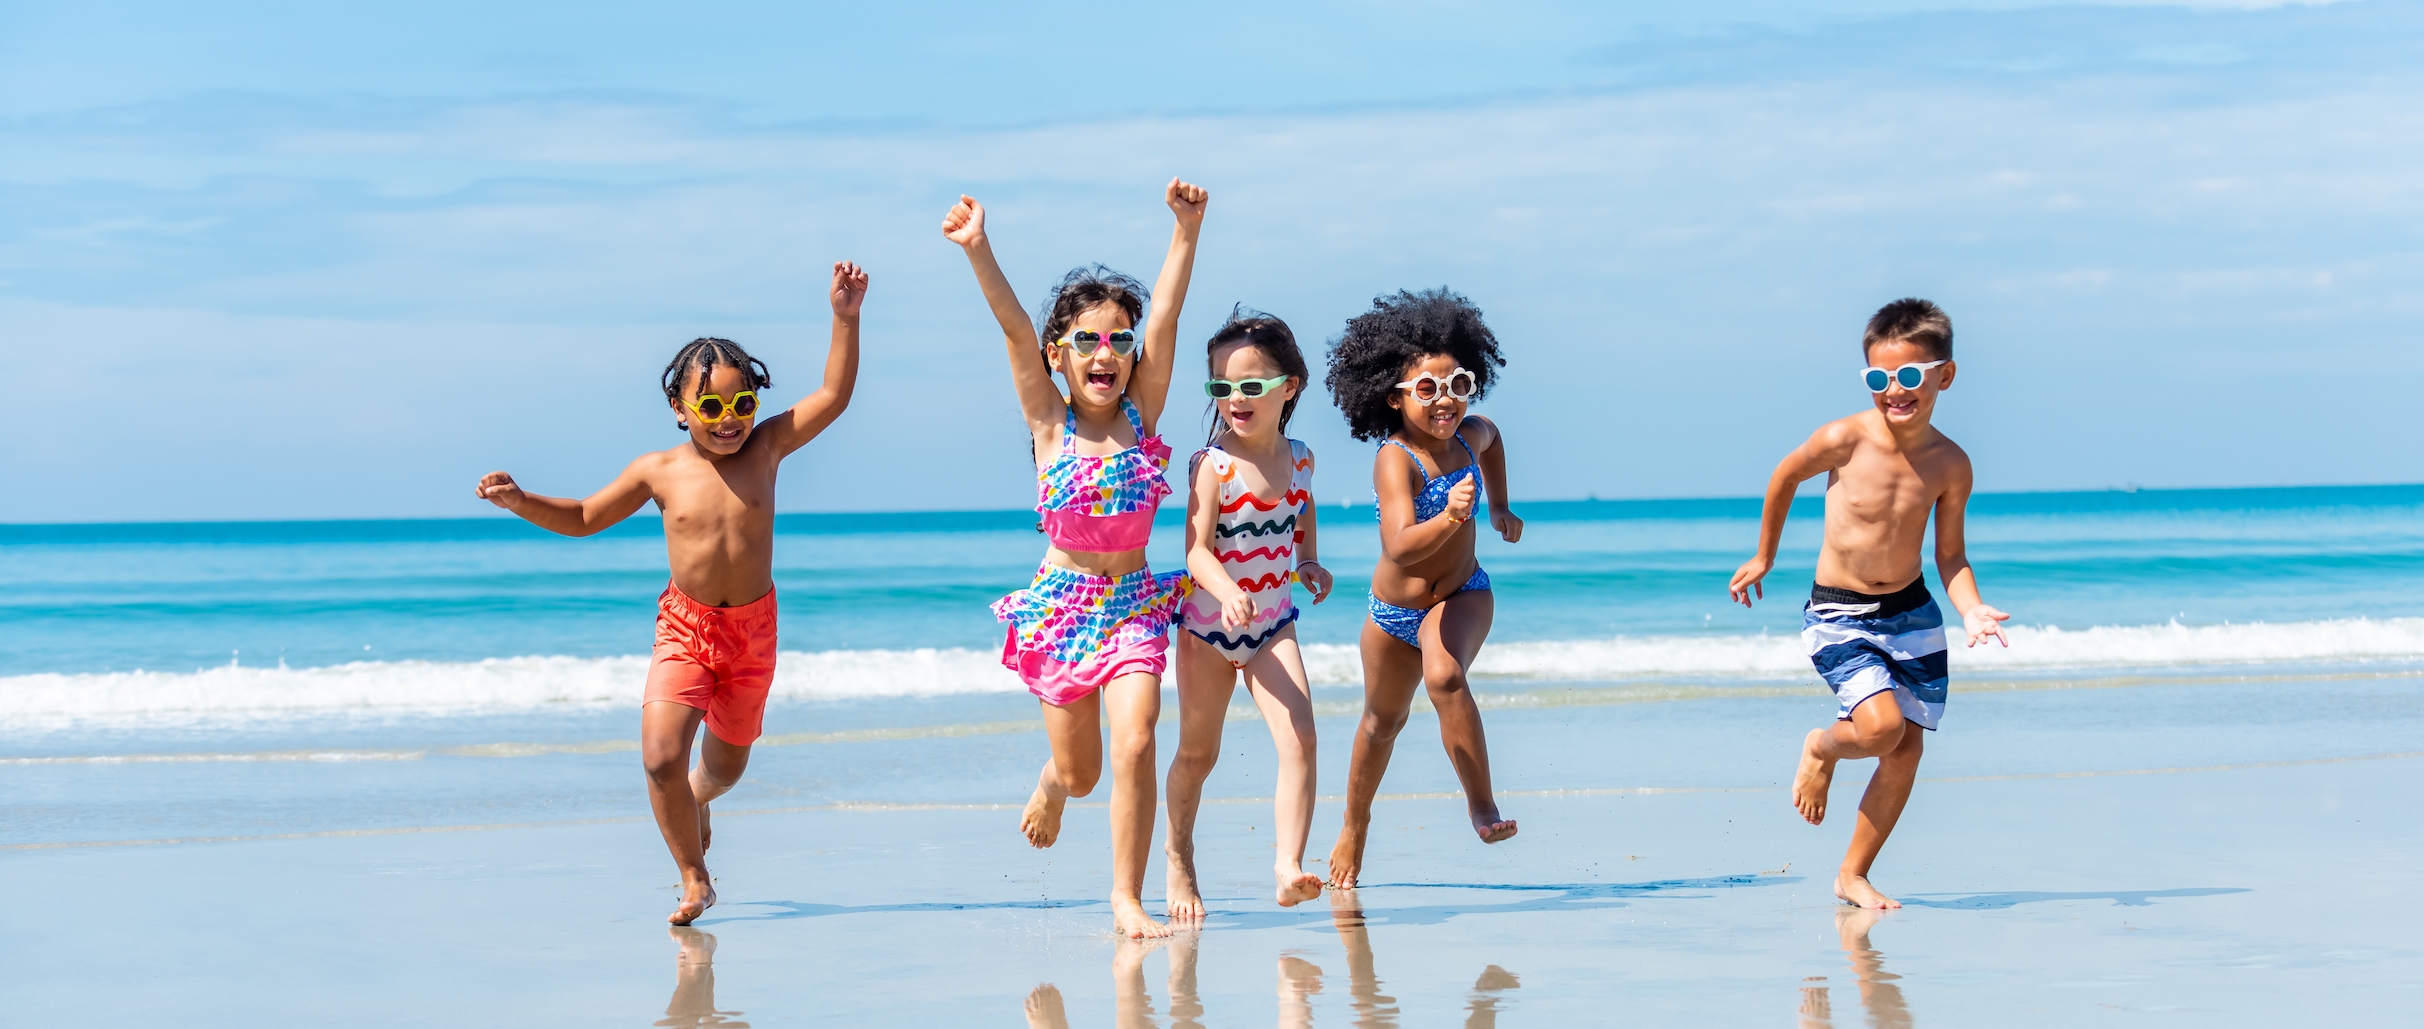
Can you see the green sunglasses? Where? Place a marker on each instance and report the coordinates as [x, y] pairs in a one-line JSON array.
[[1220, 389]]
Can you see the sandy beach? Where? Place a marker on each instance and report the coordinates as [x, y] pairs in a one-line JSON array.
[[2110, 856]]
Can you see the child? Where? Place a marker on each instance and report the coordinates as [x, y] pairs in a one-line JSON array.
[[1403, 374], [1096, 621], [1873, 631], [1250, 537], [715, 639]]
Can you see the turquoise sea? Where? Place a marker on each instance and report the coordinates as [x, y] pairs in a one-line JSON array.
[[231, 679]]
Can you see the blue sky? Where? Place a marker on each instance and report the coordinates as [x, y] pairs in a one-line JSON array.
[[291, 260]]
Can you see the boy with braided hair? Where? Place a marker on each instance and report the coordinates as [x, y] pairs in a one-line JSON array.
[[713, 661]]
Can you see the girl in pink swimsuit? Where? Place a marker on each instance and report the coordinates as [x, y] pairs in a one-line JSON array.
[[1090, 636], [1250, 538]]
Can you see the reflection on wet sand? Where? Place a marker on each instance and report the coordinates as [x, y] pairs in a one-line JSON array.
[[1879, 997], [1299, 981], [693, 1003]]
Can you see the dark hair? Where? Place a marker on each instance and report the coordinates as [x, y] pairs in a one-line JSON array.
[[702, 356], [1371, 358], [1249, 327], [1083, 290], [1911, 320]]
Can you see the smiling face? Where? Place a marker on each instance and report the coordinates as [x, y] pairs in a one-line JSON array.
[[724, 437], [1439, 419], [1908, 406], [1248, 417], [1095, 381]]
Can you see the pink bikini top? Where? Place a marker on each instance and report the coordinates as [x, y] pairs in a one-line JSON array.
[[1105, 504]]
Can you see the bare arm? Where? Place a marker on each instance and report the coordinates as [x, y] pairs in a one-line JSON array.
[[1038, 399], [1403, 540], [585, 517], [1203, 526], [795, 427], [1149, 386], [1826, 450], [1308, 551], [1492, 456], [1952, 560]]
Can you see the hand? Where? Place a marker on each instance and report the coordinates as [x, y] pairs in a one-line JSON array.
[[1510, 528], [1186, 200], [499, 488], [964, 224], [1745, 584], [849, 288], [1316, 579], [1983, 621], [1238, 611], [1460, 500]]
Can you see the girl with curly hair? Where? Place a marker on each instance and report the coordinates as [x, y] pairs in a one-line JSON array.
[[1250, 539], [1404, 374], [1090, 636]]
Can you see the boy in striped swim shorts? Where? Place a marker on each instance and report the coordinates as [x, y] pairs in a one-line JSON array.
[[1873, 631]]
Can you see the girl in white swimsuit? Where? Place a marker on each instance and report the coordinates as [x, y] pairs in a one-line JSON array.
[[1250, 539]]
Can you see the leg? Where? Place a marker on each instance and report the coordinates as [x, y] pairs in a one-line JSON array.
[[1075, 730], [719, 768], [1205, 683], [1874, 730], [1878, 994], [1132, 703], [666, 729], [1451, 636], [1131, 1004], [1392, 671], [1186, 1004], [1276, 680], [1889, 789]]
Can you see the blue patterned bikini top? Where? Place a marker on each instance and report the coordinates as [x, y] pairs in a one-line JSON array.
[[1434, 495]]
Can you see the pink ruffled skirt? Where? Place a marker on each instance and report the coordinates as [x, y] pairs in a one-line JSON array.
[[1071, 633]]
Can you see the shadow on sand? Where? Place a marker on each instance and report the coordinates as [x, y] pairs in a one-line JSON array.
[[1999, 901]]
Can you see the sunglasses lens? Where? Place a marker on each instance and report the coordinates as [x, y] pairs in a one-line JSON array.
[[1426, 389], [1878, 380], [1086, 336], [1251, 389], [744, 405], [1460, 385], [1217, 390], [1910, 377], [711, 408]]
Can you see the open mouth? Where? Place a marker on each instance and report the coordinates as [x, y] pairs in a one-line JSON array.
[[1101, 380], [726, 435]]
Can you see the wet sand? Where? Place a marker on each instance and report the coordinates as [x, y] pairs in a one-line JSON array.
[[2260, 892]]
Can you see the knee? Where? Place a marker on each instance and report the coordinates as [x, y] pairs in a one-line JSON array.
[[1129, 749], [1878, 739], [1079, 781], [1444, 678], [1383, 725], [665, 764], [1194, 762]]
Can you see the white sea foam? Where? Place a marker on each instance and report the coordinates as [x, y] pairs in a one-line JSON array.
[[528, 683]]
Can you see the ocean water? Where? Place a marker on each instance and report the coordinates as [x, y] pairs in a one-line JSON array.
[[249, 678]]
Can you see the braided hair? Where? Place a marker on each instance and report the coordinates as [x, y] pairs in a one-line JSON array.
[[702, 356], [1368, 361], [1249, 327]]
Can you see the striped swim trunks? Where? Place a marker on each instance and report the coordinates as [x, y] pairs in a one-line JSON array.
[[1864, 644]]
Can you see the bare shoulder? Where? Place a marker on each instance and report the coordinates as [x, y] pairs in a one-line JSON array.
[[1479, 431], [1946, 460]]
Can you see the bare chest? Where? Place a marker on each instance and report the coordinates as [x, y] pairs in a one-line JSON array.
[[1880, 486], [704, 502]]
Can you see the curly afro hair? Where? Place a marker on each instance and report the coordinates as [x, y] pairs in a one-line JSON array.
[[1368, 362]]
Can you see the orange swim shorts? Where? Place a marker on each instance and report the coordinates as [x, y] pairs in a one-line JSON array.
[[717, 659]]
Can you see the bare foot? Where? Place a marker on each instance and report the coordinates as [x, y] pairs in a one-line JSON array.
[[1346, 858], [1297, 886], [1128, 918], [697, 897], [1492, 828], [1041, 821], [1185, 906], [1811, 780], [1045, 1009], [1856, 891], [706, 833]]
